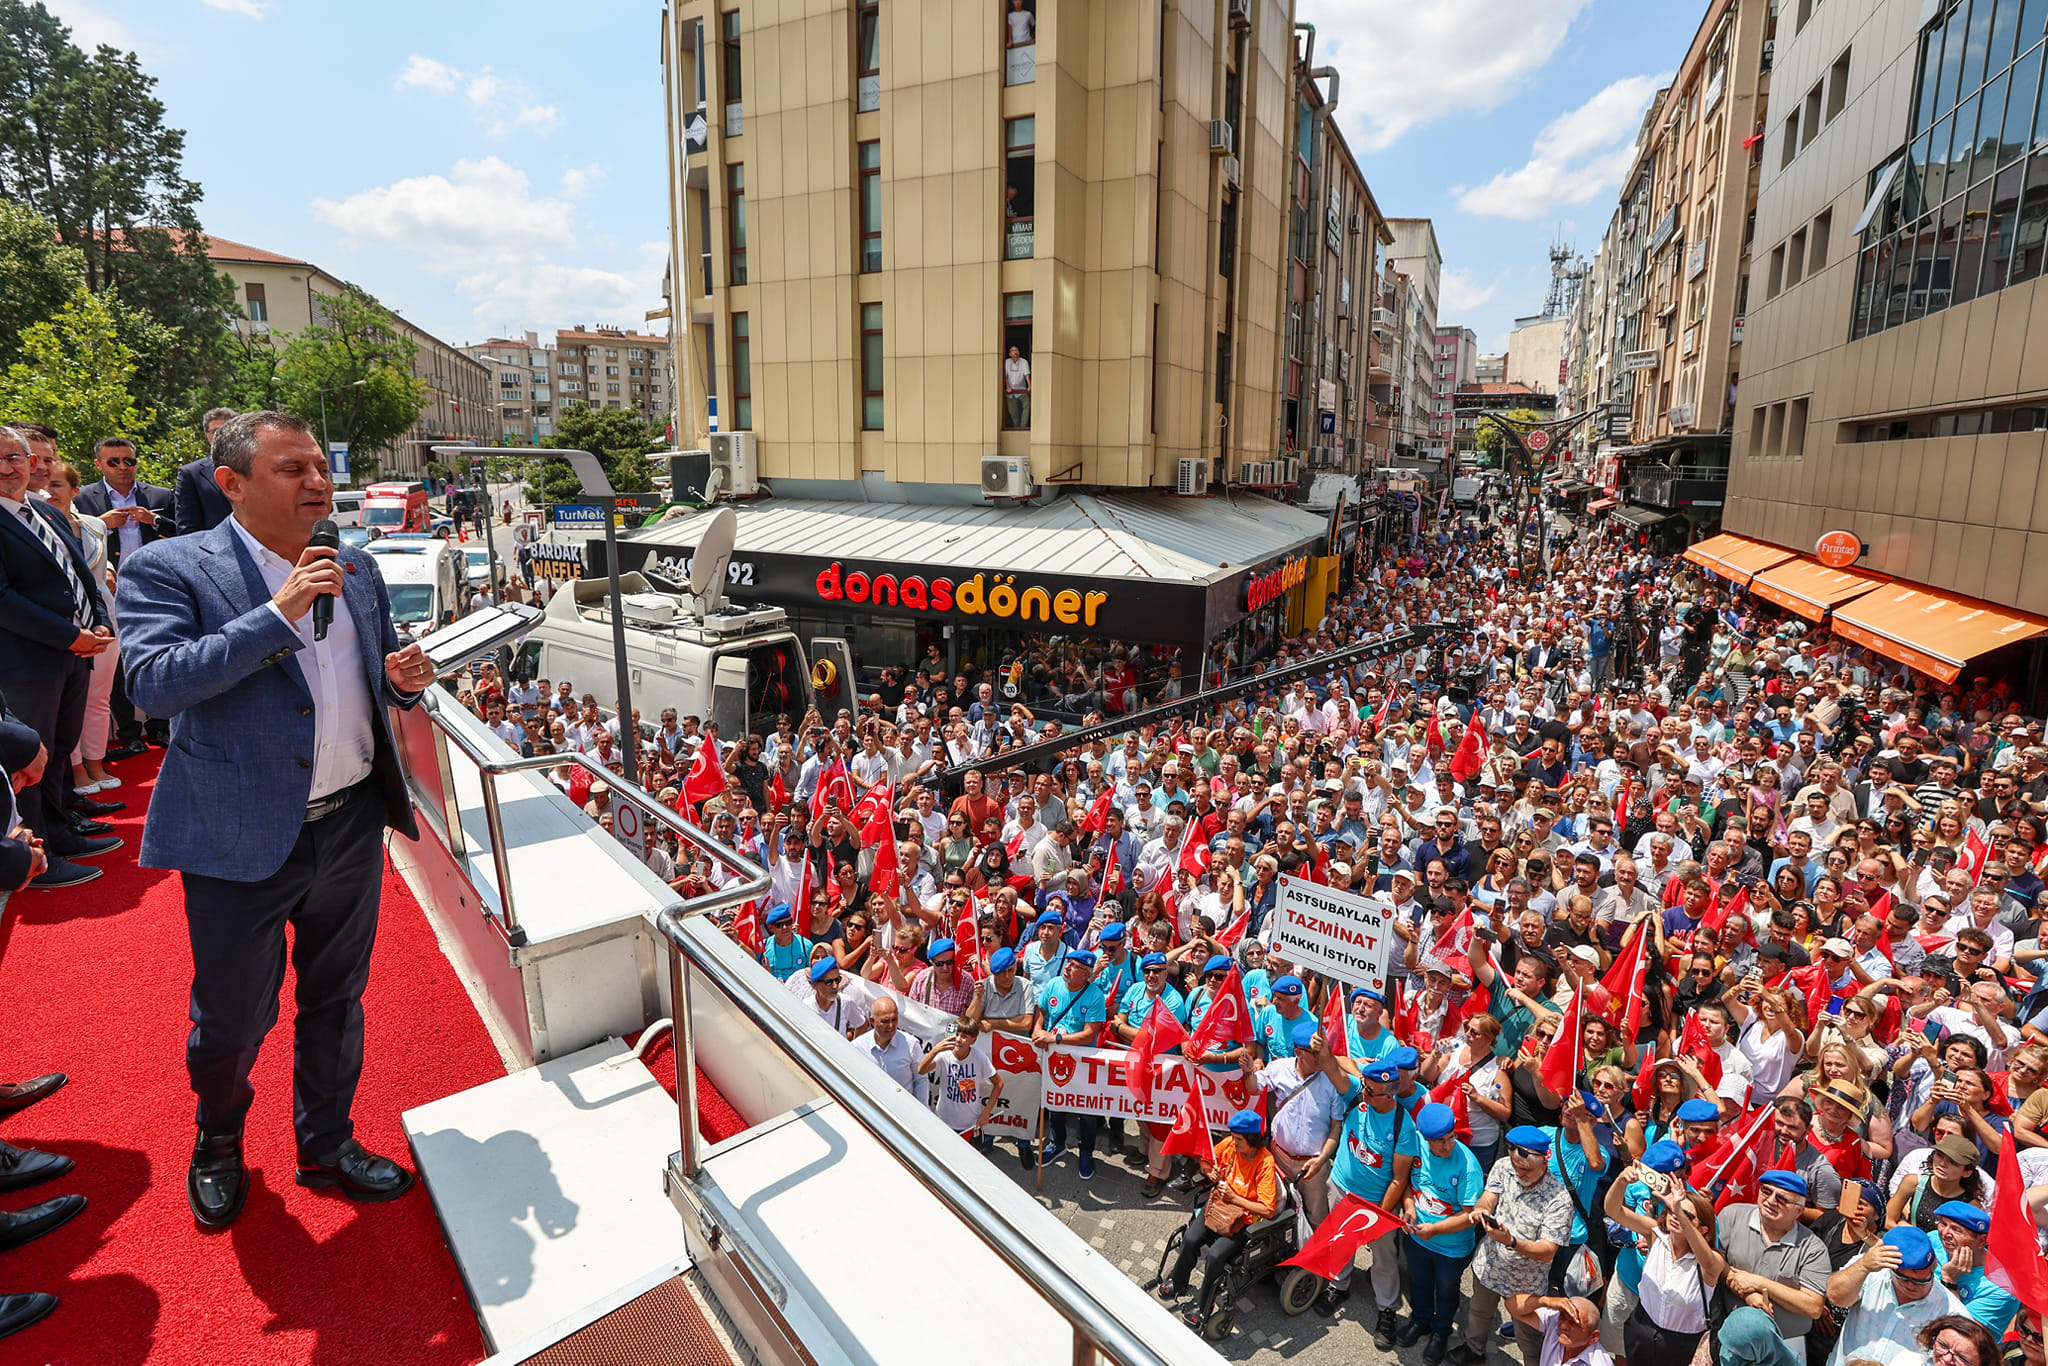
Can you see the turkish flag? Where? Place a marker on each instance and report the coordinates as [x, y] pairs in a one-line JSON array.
[[1347, 1228], [1194, 850], [878, 800], [1234, 931], [1160, 1032], [1471, 752], [1813, 983], [803, 893], [1976, 854], [2012, 1253], [1724, 1177], [1625, 980], [746, 928], [834, 784], [706, 778], [1190, 1131], [1456, 944], [1561, 1060], [886, 878], [1693, 1044], [1336, 1027], [1097, 817], [967, 940], [778, 791], [1228, 1019], [1718, 910]]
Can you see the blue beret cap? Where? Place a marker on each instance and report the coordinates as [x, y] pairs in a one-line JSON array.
[[937, 947], [824, 968], [1303, 1033], [1381, 1070], [1111, 932], [1218, 962], [1785, 1181], [1664, 1156], [1247, 1122], [1083, 957], [1002, 960], [1152, 960], [1048, 918], [1368, 993], [1529, 1138], [1916, 1249], [778, 914], [1290, 985], [1966, 1214], [1405, 1058], [1435, 1121], [1698, 1111], [1593, 1105]]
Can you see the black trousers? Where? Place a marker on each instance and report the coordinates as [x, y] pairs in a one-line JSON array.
[[51, 702], [1216, 1249], [327, 892], [1056, 1120]]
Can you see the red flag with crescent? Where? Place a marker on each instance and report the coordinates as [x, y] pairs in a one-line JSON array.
[[1190, 1131], [1347, 1228]]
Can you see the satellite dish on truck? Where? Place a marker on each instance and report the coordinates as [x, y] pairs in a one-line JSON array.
[[707, 565]]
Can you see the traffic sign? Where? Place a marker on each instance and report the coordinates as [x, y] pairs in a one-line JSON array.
[[1838, 549], [1537, 441]]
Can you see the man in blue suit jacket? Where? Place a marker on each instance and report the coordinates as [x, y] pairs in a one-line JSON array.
[[279, 781], [197, 504], [137, 513]]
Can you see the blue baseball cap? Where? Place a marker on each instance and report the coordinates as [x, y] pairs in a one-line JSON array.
[[1303, 1033], [1381, 1070], [1529, 1138], [1787, 1181], [1290, 985], [1435, 1121], [1247, 1122], [1916, 1249], [1593, 1105], [1111, 932], [778, 914], [1083, 957], [1002, 960], [1665, 1156], [1218, 962], [1966, 1214], [1698, 1111], [1152, 960], [937, 947], [824, 968]]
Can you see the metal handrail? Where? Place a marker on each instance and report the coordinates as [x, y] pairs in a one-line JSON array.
[[869, 1095], [753, 879]]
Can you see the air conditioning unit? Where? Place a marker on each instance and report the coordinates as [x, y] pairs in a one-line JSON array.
[[733, 455], [1006, 476], [1290, 469], [1357, 222], [1240, 13], [1191, 476], [1231, 174], [1255, 472], [1222, 140]]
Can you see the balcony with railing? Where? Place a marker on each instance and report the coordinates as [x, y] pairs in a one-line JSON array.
[[1673, 487]]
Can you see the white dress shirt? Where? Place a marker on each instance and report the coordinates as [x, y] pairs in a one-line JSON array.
[[343, 742], [129, 532]]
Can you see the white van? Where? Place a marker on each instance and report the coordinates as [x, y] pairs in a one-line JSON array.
[[348, 507], [424, 578]]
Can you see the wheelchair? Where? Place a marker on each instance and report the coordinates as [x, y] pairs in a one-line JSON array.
[[1265, 1245]]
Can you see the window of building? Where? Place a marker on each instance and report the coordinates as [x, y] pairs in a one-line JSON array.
[[1795, 258], [259, 308], [1795, 429], [611, 353], [1791, 147], [1758, 417], [1020, 41], [1817, 241], [736, 222], [1019, 179], [1838, 86], [1016, 368], [870, 207], [867, 56], [611, 369], [1774, 432], [1805, 13], [742, 416], [871, 367], [1810, 116], [1226, 236], [729, 70], [1774, 278]]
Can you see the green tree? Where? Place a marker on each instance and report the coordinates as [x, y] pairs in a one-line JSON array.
[[1491, 442], [352, 372], [38, 275], [620, 440], [83, 143], [74, 375]]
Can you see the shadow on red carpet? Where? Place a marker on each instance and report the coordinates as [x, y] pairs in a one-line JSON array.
[[95, 983]]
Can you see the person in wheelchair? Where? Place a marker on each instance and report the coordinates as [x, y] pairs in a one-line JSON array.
[[1247, 1190]]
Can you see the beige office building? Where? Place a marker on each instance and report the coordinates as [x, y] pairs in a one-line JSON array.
[[873, 204], [609, 367]]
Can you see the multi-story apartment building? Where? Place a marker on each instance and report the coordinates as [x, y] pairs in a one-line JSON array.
[[280, 297], [1415, 256], [609, 367], [1536, 353], [1490, 369], [1892, 390], [522, 384], [1455, 366], [866, 225]]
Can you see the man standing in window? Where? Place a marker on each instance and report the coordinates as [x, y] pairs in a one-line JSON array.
[[1016, 390]]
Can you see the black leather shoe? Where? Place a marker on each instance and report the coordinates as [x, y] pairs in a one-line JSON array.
[[25, 1166], [132, 750], [85, 826], [66, 845], [93, 806], [61, 874], [218, 1181], [19, 1311], [361, 1174], [19, 1095], [23, 1225]]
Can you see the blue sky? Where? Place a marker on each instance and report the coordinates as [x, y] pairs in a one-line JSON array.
[[486, 168]]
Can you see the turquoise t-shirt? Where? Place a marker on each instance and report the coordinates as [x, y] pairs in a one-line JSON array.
[[1067, 1010], [1990, 1303], [1041, 967], [1136, 1005], [1257, 986], [1115, 979], [1628, 1258], [1363, 1050], [1568, 1164], [1445, 1186], [1273, 1031], [786, 960], [1365, 1159], [1515, 1020]]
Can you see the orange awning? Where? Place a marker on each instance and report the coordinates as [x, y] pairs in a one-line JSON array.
[[1599, 506], [1735, 557], [1932, 632], [1812, 590]]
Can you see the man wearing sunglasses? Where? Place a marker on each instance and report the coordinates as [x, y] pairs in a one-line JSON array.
[[1891, 1293]]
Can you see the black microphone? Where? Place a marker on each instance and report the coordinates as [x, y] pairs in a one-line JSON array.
[[327, 536]]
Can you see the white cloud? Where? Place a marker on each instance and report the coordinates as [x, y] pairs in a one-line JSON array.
[[252, 9], [509, 249], [1577, 157], [579, 181], [1412, 62], [424, 73], [89, 27], [500, 106], [1461, 293]]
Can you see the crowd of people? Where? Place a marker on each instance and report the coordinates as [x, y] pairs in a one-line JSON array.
[[1784, 894]]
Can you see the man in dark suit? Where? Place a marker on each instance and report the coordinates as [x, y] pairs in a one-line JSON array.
[[137, 513], [51, 626], [197, 502], [274, 795]]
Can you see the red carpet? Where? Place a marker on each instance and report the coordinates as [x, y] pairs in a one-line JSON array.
[[715, 1116], [94, 983]]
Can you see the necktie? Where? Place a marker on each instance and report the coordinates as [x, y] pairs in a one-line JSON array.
[[81, 600]]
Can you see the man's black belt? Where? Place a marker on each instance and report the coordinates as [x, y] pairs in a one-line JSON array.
[[326, 806]]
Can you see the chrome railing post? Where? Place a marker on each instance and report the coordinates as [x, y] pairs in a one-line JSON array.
[[685, 1045], [494, 822]]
